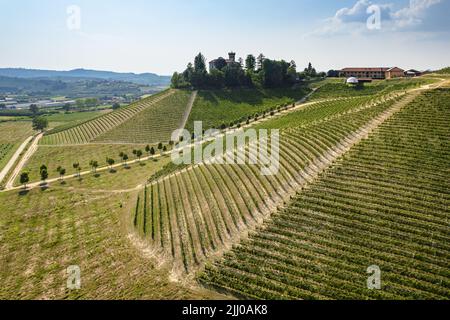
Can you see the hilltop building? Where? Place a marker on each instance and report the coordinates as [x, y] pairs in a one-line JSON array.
[[215, 64], [372, 73]]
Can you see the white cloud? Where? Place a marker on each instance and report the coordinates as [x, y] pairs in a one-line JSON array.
[[354, 20], [414, 14]]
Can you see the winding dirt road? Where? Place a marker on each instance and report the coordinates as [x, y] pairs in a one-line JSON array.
[[14, 158], [31, 150]]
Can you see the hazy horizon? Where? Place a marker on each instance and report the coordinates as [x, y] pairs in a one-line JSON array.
[[162, 37]]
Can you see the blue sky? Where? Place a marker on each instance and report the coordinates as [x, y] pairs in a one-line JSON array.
[[162, 36]]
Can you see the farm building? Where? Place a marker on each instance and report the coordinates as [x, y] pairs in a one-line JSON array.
[[373, 73], [412, 73]]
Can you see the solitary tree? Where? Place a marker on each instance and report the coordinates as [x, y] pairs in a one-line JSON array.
[[24, 179], [134, 151], [94, 165], [42, 168], [125, 158], [110, 162], [139, 154], [152, 151], [116, 106], [44, 175], [39, 123], [59, 170], [67, 107], [77, 167], [160, 147], [147, 149]]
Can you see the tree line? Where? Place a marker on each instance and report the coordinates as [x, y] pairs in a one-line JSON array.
[[94, 164], [253, 72]]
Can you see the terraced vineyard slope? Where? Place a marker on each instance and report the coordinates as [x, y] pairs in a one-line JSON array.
[[152, 125], [90, 130], [386, 203], [199, 212]]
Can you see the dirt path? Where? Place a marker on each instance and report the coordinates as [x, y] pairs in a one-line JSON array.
[[31, 150], [14, 158], [188, 110]]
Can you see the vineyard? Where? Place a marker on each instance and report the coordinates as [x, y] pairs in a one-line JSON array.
[[223, 107], [5, 148], [340, 89], [385, 203], [196, 213], [13, 133], [152, 125], [92, 129]]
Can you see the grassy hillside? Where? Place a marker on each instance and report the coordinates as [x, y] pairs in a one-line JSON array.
[[12, 135], [90, 130], [53, 157], [386, 204], [44, 232], [152, 125], [217, 107]]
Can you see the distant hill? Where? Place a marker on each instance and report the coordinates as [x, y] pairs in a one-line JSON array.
[[46, 87], [149, 79]]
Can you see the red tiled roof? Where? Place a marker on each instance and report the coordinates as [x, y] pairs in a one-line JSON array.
[[365, 69]]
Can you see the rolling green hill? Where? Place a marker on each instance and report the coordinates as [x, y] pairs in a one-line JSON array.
[[88, 131]]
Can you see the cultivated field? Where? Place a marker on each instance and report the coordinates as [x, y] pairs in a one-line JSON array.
[[92, 129], [66, 156], [386, 203], [337, 88], [363, 181], [12, 135], [44, 232], [218, 107], [198, 212], [152, 125]]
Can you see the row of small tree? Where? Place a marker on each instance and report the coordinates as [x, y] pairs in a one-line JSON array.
[[93, 164]]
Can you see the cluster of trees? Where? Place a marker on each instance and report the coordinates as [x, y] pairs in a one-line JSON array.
[[253, 72]]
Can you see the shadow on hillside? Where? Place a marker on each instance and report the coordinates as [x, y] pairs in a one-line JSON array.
[[250, 96]]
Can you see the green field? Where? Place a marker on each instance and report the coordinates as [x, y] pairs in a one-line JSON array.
[[217, 107], [337, 87], [87, 131], [45, 232], [152, 125], [53, 157], [13, 133], [386, 204]]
